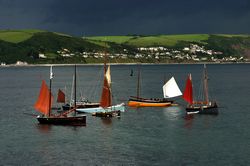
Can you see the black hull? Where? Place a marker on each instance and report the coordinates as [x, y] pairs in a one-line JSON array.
[[212, 110], [107, 114], [72, 121]]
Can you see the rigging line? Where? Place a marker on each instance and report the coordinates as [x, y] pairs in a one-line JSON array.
[[201, 95], [81, 92], [95, 87]]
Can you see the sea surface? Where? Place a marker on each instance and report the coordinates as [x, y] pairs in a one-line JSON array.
[[145, 136]]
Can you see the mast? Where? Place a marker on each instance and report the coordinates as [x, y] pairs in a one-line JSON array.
[[75, 92], [205, 83], [72, 90], [50, 85], [138, 82], [65, 90]]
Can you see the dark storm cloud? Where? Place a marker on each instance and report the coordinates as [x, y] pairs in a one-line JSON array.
[[117, 17]]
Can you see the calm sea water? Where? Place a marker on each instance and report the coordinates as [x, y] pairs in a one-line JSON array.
[[145, 136]]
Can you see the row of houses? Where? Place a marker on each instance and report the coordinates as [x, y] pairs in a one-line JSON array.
[[194, 53]]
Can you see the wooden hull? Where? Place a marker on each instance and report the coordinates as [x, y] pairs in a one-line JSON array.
[[212, 110], [73, 121], [144, 103]]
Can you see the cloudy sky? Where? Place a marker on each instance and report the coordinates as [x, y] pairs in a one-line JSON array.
[[122, 17]]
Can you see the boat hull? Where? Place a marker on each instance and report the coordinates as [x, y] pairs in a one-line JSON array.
[[148, 104], [118, 107], [212, 110], [107, 114], [141, 102], [73, 121], [81, 105]]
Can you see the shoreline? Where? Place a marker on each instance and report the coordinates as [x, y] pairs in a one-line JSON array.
[[114, 64]]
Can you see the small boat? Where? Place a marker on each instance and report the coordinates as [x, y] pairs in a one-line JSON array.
[[106, 109], [44, 105], [82, 103], [204, 106], [142, 102], [170, 90]]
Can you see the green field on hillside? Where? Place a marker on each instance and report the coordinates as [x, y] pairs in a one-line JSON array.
[[229, 35], [115, 39], [16, 36], [146, 41], [25, 45]]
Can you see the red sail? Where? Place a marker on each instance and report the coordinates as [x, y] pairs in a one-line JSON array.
[[60, 96], [188, 92], [106, 95], [42, 103]]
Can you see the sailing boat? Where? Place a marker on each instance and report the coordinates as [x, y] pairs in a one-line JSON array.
[[44, 104], [106, 109], [170, 90], [83, 103], [202, 107]]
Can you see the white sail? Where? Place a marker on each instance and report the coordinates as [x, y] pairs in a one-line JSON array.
[[171, 89], [108, 75]]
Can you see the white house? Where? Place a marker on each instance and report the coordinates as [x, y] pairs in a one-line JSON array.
[[41, 56]]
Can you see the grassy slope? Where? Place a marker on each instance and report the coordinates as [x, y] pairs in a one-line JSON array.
[[27, 47], [16, 36], [27, 43], [115, 39], [166, 40], [163, 40]]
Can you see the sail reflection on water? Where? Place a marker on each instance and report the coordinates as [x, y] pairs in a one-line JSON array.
[[173, 113]]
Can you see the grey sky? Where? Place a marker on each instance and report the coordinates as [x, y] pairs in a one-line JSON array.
[[121, 17]]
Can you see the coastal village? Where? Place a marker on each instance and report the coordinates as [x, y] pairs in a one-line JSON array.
[[193, 53]]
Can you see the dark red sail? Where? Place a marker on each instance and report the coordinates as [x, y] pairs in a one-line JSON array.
[[188, 92], [60, 96], [106, 90]]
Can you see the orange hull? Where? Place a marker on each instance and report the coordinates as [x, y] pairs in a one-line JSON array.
[[148, 104]]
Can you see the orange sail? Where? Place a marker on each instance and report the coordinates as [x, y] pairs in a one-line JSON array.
[[42, 103], [60, 96], [188, 92], [106, 90]]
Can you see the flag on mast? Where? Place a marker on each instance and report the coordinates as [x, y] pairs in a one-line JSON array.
[[51, 73]]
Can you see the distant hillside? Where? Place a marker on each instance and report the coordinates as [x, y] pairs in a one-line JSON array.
[[147, 41], [16, 36], [229, 44], [25, 45], [38, 46]]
